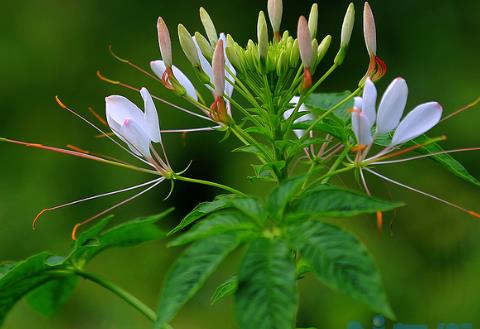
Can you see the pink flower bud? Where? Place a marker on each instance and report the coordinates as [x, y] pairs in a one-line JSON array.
[[305, 42], [164, 42], [369, 30], [218, 67]]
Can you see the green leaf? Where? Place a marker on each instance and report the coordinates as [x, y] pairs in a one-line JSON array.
[[225, 289], [190, 271], [282, 194], [250, 206], [266, 297], [201, 210], [267, 172], [331, 201], [219, 222], [48, 298], [325, 101], [21, 279], [446, 160], [127, 234], [341, 262]]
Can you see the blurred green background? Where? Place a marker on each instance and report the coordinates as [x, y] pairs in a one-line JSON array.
[[430, 262]]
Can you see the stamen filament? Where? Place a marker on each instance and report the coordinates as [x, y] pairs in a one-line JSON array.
[[37, 217], [427, 155], [470, 212], [78, 225]]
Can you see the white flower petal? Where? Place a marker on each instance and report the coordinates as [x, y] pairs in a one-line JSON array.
[[358, 103], [228, 86], [361, 127], [158, 67], [417, 122], [151, 123], [369, 101], [137, 139], [307, 116], [119, 108], [392, 105]]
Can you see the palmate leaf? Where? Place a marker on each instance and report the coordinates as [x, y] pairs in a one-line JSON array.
[[219, 222], [266, 297], [281, 195], [331, 201], [341, 262], [21, 279], [49, 297], [48, 280], [190, 271]]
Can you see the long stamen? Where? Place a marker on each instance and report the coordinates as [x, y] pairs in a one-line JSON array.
[[43, 211], [103, 78], [107, 157], [97, 116], [63, 106], [131, 64], [379, 214], [79, 154], [463, 109], [78, 225], [470, 212], [427, 155]]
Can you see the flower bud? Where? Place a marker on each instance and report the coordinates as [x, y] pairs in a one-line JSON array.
[[323, 47], [204, 46], [369, 30], [233, 56], [275, 11], [218, 67], [188, 46], [262, 34], [164, 42], [294, 54], [314, 52], [282, 64], [347, 26], [305, 42], [209, 27], [313, 20]]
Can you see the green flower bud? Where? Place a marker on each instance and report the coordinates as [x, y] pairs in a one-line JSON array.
[[209, 27], [313, 20], [323, 48], [262, 34], [233, 57], [188, 46], [347, 26], [204, 46], [282, 64], [285, 36], [294, 54]]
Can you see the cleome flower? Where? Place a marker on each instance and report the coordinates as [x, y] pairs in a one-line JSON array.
[[369, 125]]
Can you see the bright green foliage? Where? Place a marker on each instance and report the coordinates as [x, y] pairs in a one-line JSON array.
[[322, 102], [332, 201], [266, 297], [48, 280], [190, 271], [340, 261]]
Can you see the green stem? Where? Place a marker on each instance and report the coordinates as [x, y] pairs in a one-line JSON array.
[[209, 183], [335, 165], [127, 297], [246, 139], [305, 95]]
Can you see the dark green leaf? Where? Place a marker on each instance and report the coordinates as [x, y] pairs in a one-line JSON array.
[[268, 171], [225, 289], [266, 297], [219, 222], [325, 101], [127, 234], [446, 160], [21, 279], [249, 206], [331, 201], [341, 262], [48, 298], [204, 208], [282, 194], [190, 271]]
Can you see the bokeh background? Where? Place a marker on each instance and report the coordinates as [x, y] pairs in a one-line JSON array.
[[430, 261]]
